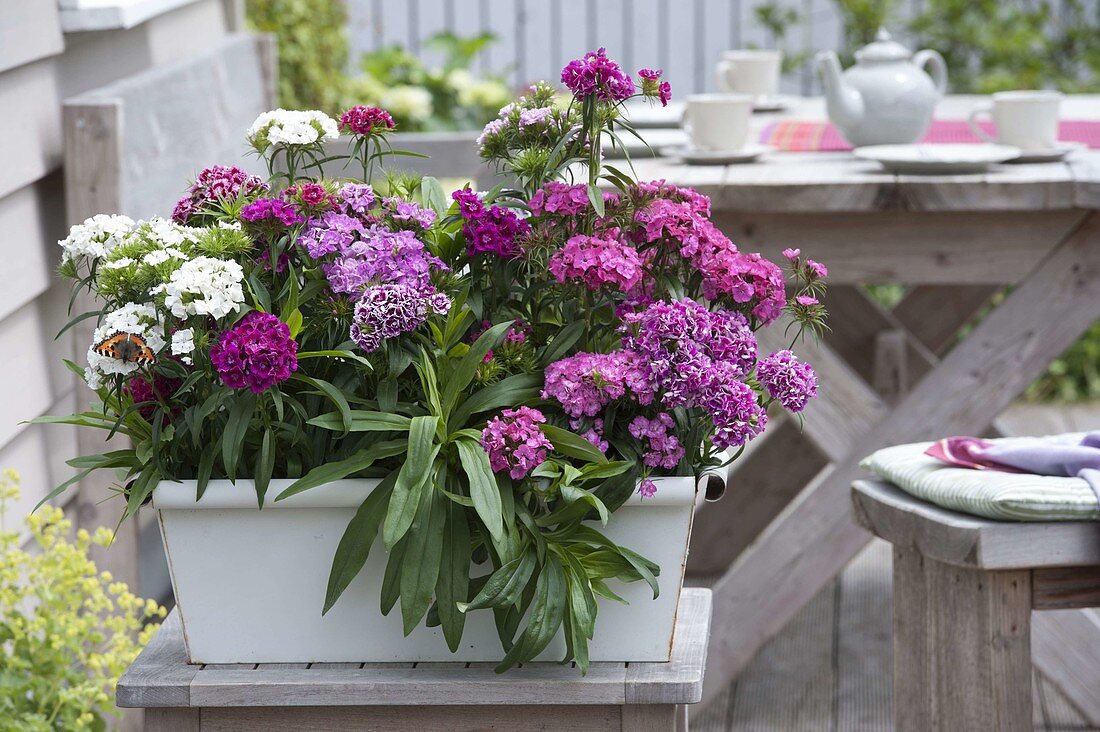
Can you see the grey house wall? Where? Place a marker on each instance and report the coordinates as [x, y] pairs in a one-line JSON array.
[[40, 66]]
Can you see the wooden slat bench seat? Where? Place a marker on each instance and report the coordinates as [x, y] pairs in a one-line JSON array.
[[964, 591], [179, 697]]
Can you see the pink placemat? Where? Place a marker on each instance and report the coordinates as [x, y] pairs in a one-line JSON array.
[[806, 136]]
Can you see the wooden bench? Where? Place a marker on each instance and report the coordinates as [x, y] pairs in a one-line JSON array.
[[964, 590], [635, 697]]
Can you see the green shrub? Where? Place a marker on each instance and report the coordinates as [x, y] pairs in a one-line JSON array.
[[67, 630]]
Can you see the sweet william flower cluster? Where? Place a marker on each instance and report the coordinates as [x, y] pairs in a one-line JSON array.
[[510, 366]]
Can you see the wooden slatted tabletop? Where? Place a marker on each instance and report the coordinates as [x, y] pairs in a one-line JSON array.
[[199, 697]]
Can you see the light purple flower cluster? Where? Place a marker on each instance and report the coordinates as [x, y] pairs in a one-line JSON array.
[[515, 443], [697, 358], [733, 406], [360, 120], [583, 384], [787, 379], [647, 488], [593, 434], [663, 450], [598, 261], [218, 182], [564, 200], [407, 212], [387, 311], [382, 256], [331, 233], [535, 116], [358, 198], [272, 210], [256, 354], [599, 75], [493, 230]]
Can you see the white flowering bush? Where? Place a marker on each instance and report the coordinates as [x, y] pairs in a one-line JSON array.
[[281, 127]]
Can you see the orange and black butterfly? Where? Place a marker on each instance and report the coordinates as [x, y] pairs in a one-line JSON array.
[[126, 347]]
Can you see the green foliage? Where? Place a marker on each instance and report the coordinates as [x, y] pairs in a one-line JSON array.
[[1075, 376], [313, 50], [994, 45], [67, 630], [777, 20], [861, 20]]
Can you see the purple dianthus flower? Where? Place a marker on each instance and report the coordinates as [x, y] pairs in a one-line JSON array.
[[387, 311], [213, 184], [599, 75], [515, 443], [663, 450], [787, 379], [271, 210], [256, 354]]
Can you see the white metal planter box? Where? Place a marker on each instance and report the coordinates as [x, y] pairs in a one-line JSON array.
[[250, 583]]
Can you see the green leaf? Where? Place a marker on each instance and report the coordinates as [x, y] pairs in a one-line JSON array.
[[547, 612], [508, 392], [236, 427], [483, 486], [563, 341], [505, 586], [363, 421], [206, 466], [596, 199], [572, 445], [411, 479], [265, 466], [61, 488], [434, 195], [328, 472], [391, 580], [294, 322], [335, 396], [459, 379], [647, 569], [454, 576], [572, 494], [358, 538], [420, 566], [349, 355]]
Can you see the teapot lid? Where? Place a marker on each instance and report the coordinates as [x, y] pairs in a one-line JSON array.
[[884, 48]]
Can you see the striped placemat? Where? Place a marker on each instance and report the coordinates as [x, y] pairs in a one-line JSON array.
[[816, 136]]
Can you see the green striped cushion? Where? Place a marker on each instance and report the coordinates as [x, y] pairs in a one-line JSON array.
[[995, 495]]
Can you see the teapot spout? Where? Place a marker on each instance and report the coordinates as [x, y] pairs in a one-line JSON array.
[[844, 104]]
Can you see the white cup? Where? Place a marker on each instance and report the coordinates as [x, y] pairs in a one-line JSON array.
[[718, 122], [1024, 119], [753, 72]]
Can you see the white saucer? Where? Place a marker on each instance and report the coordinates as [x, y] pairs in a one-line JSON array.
[[777, 103], [932, 159], [1050, 155], [693, 156]]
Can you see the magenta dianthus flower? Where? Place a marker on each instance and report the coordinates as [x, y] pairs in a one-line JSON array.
[[653, 87], [213, 184], [599, 75], [647, 488], [148, 394], [584, 383], [515, 443], [598, 261], [493, 229], [360, 120], [787, 379], [663, 450], [270, 211], [256, 354]]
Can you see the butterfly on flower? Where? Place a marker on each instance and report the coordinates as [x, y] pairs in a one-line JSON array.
[[126, 347]]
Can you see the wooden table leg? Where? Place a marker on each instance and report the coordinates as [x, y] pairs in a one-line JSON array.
[[653, 717], [962, 647], [172, 719], [814, 537]]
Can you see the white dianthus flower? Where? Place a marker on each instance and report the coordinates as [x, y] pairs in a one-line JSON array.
[[409, 102], [168, 233], [96, 237], [183, 344], [121, 263], [291, 127], [134, 318], [204, 286]]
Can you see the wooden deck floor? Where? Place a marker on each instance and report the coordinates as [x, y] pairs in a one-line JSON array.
[[830, 669]]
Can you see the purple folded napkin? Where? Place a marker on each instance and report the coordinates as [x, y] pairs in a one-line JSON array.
[[1070, 455]]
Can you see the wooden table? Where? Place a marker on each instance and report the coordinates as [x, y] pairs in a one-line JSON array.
[[889, 376], [636, 697], [964, 589]]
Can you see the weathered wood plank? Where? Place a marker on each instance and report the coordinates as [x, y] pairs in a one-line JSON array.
[[160, 676], [1061, 588], [943, 248], [172, 719], [650, 717], [891, 370], [971, 541], [33, 90], [680, 681], [864, 655], [923, 308], [30, 31], [1064, 644], [815, 537], [522, 718], [962, 646]]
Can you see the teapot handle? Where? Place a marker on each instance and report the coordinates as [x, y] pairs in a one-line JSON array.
[[937, 68]]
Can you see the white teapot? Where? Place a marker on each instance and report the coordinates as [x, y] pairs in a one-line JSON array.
[[886, 97]]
